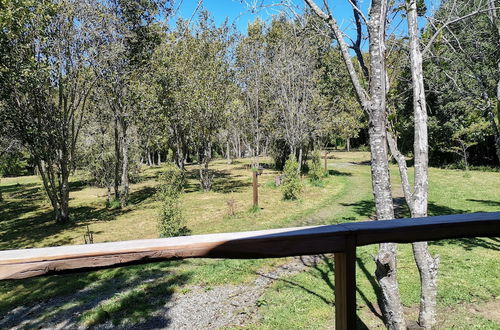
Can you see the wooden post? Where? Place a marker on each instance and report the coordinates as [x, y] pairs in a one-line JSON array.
[[255, 189], [345, 287]]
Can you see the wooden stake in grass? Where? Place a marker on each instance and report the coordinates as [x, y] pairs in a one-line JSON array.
[[255, 182], [255, 188]]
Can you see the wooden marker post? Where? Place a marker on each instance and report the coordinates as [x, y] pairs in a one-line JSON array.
[[345, 286], [255, 188]]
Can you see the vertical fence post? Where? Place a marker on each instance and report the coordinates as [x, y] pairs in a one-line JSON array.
[[255, 189], [345, 286]]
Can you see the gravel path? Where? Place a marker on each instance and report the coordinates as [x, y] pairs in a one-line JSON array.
[[221, 306]]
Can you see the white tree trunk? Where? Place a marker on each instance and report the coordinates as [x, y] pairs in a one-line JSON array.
[[427, 265], [374, 104]]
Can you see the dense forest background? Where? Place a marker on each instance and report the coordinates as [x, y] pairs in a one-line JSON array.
[[105, 86]]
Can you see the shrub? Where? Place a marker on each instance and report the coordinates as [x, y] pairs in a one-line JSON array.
[[292, 185], [316, 171], [171, 221]]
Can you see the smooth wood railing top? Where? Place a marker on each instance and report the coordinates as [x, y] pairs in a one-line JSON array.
[[256, 244]]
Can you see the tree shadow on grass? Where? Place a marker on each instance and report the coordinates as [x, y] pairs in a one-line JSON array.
[[338, 173], [77, 185], [122, 296], [26, 192], [469, 244], [324, 267], [26, 232], [364, 208], [485, 202], [139, 196], [223, 181], [328, 273], [376, 289]]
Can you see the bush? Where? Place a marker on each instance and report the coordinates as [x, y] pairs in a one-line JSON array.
[[316, 171], [292, 185], [171, 221]]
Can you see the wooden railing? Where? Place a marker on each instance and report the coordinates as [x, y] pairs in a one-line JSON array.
[[341, 239]]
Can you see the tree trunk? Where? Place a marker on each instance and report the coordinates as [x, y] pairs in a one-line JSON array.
[[150, 162], [108, 197], [64, 198], [57, 190], [125, 164], [228, 152], [493, 16], [386, 272], [204, 158], [427, 265], [348, 144], [374, 104], [299, 169], [159, 158], [117, 161]]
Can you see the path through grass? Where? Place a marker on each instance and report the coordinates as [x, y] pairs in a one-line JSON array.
[[130, 294]]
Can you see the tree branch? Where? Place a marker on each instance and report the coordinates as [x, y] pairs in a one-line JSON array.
[[403, 169], [458, 19], [344, 48]]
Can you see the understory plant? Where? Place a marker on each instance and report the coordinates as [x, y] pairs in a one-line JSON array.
[[316, 171], [292, 185], [171, 222]]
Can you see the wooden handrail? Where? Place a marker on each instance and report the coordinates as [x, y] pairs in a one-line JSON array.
[[341, 239]]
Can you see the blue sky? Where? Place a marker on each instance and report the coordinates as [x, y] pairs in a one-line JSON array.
[[239, 12]]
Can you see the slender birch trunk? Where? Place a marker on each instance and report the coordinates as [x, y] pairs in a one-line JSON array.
[[427, 265], [374, 104], [117, 160], [125, 164]]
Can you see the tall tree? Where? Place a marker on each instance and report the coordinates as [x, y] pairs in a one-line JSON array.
[[373, 102], [46, 84], [133, 34], [417, 199], [463, 70]]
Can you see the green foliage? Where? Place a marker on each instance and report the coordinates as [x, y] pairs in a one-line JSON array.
[[292, 184], [113, 204], [254, 209], [316, 170], [462, 77], [171, 221], [15, 164]]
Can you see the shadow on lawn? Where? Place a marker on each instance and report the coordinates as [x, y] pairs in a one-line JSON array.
[[324, 267], [338, 173], [485, 202], [26, 232], [24, 221], [117, 295], [139, 196], [366, 208], [223, 181]]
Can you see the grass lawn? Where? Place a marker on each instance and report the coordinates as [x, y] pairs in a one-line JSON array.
[[468, 273]]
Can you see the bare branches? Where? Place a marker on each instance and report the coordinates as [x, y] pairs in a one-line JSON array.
[[344, 48], [357, 11], [359, 34], [453, 21]]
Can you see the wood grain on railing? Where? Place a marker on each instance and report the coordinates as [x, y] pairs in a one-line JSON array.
[[16, 264]]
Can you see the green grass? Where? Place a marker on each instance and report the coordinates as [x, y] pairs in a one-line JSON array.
[[468, 271], [130, 294]]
